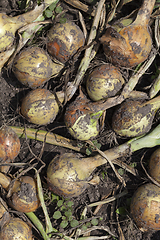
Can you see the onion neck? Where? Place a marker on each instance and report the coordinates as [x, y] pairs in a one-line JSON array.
[[111, 154], [144, 12], [155, 103]]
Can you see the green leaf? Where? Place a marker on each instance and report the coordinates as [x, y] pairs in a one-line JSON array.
[[59, 203], [58, 9], [94, 221], [121, 211], [54, 197], [74, 223], [53, 6], [68, 213], [70, 204], [64, 224], [48, 13], [57, 215], [84, 227], [121, 171]]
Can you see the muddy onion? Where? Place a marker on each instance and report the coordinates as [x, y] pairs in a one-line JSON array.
[[16, 229], [9, 146], [81, 121], [154, 165], [105, 81], [66, 176], [24, 196], [64, 39], [33, 67], [145, 207], [134, 117], [39, 106], [132, 44]]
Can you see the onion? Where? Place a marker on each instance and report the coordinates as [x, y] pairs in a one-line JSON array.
[[154, 165], [24, 196], [39, 106], [64, 39], [33, 67], [132, 44], [9, 25], [105, 81], [81, 119], [145, 207], [134, 117], [68, 174], [16, 229], [9, 146]]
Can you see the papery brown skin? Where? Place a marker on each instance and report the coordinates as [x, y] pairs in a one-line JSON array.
[[129, 47], [16, 229], [145, 207], [64, 39], [24, 196], [132, 44], [104, 81], [9, 145], [154, 165]]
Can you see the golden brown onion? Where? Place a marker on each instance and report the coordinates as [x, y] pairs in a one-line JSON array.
[[134, 117], [67, 174], [132, 44], [24, 196], [16, 229], [145, 207], [33, 67], [64, 39], [105, 81], [40, 106], [154, 165], [9, 146]]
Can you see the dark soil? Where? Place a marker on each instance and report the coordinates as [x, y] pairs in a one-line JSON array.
[[121, 225]]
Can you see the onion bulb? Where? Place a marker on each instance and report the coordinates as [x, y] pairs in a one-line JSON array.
[[81, 119], [105, 81], [145, 207], [16, 229], [66, 176], [9, 25], [154, 165], [64, 39], [9, 146], [33, 67], [24, 196], [134, 117], [131, 45], [39, 106]]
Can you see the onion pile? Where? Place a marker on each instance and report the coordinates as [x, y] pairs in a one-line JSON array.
[[105, 81], [134, 117], [33, 67], [132, 44], [39, 106], [64, 39]]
